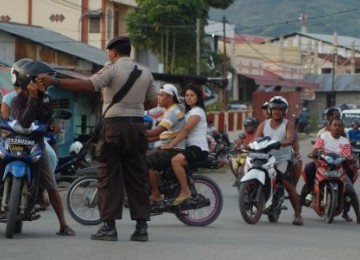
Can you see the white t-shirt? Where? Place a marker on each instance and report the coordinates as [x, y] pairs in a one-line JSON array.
[[330, 144], [197, 136]]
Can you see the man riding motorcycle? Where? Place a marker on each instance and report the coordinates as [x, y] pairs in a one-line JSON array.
[[333, 141], [279, 128]]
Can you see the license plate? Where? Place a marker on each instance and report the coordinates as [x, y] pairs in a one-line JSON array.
[[19, 141], [332, 173], [259, 156]]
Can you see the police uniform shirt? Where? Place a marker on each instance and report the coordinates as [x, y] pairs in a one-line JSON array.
[[112, 77]]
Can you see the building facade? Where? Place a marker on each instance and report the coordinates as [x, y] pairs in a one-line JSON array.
[[93, 22]]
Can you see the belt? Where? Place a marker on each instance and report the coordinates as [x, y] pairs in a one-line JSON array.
[[124, 119]]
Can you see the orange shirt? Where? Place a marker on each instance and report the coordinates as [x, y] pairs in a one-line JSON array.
[[248, 138]]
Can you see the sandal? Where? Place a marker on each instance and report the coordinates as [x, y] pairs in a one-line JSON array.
[[346, 217], [66, 231], [298, 221], [180, 200]]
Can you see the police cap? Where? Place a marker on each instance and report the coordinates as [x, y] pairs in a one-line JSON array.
[[120, 40]]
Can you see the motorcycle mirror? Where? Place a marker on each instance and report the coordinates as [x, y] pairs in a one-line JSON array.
[[63, 114]]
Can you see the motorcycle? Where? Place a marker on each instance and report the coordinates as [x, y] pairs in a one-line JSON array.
[[222, 147], [259, 191], [237, 158], [201, 209], [237, 163], [19, 150], [304, 127], [68, 165], [355, 146], [329, 187]]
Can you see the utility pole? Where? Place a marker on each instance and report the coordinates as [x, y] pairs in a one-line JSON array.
[[224, 91], [198, 46], [334, 63]]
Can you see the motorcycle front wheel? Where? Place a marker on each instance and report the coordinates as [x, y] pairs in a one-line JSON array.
[[209, 190], [82, 200], [331, 205], [274, 215], [13, 207], [250, 208]]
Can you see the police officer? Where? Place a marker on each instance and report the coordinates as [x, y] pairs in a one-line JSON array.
[[126, 161]]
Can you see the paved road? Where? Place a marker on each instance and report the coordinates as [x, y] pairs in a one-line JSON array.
[[227, 238]]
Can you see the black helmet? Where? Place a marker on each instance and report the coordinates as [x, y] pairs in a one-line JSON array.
[[31, 70], [15, 71], [249, 121]]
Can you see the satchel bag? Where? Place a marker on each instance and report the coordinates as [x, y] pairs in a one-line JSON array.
[[99, 150]]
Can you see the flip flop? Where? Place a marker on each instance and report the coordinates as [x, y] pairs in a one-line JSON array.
[[180, 200], [346, 217], [298, 221], [66, 231]]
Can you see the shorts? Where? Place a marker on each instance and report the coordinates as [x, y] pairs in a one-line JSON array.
[[194, 154], [45, 176], [158, 159], [284, 170]]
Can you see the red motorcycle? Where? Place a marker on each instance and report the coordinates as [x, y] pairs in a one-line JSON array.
[[329, 186]]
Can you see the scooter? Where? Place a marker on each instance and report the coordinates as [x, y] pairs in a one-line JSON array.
[[20, 148], [259, 191]]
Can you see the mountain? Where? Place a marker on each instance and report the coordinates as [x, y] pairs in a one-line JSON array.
[[278, 17]]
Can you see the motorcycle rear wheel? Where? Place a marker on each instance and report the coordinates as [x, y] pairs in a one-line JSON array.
[[82, 201], [14, 202], [205, 215], [250, 209], [331, 205]]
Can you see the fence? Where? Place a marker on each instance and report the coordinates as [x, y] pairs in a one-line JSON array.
[[231, 121]]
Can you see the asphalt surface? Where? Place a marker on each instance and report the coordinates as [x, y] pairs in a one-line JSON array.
[[229, 237]]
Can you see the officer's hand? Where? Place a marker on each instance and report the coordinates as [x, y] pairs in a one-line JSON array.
[[32, 89], [45, 79]]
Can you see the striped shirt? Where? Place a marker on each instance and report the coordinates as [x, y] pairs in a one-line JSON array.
[[173, 121]]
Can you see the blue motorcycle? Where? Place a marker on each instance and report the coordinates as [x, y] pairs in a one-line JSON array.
[[20, 149]]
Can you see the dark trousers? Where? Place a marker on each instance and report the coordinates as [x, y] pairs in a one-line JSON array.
[[125, 167]]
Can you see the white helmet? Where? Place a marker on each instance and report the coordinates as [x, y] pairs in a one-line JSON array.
[[75, 147], [279, 102]]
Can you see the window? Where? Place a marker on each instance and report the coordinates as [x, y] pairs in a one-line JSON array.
[[326, 71], [94, 23]]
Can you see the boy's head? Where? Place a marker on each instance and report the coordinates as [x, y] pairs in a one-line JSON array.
[[355, 124]]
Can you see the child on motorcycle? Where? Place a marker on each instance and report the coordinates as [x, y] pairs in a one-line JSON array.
[[250, 125]]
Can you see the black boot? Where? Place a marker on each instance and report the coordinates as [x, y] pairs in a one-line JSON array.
[[107, 232], [140, 233]]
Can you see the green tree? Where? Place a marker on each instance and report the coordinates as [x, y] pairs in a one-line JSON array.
[[168, 28]]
